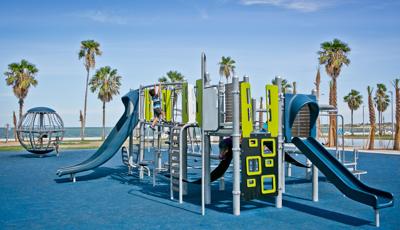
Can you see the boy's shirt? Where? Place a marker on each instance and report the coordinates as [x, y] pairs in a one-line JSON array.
[[156, 102]]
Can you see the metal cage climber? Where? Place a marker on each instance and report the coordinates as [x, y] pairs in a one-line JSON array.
[[40, 130]]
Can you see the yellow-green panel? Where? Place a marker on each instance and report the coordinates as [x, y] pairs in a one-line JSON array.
[[253, 142], [272, 99], [267, 190], [248, 166], [166, 103], [251, 183], [246, 109], [185, 115], [268, 152], [148, 104], [199, 101]]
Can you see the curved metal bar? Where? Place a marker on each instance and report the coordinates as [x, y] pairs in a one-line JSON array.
[[162, 84]]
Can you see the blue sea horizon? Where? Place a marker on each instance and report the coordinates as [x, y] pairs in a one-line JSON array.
[[70, 132]]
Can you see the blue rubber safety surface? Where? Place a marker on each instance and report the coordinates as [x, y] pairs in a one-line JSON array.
[[33, 197]]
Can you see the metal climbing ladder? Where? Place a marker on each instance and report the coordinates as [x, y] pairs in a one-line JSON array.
[[178, 159]]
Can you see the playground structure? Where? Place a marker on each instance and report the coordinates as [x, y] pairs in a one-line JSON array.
[[227, 110], [40, 130]]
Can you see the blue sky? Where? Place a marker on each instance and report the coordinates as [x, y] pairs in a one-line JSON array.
[[145, 39]]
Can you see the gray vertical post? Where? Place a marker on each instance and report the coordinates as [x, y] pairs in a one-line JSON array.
[[254, 113], [221, 109], [141, 135], [157, 155], [377, 224], [281, 178], [182, 162], [236, 147], [391, 113], [159, 159], [203, 184], [130, 148], [207, 144], [314, 170], [207, 167]]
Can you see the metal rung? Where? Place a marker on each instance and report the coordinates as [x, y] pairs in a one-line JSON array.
[[175, 189], [359, 172], [175, 174], [349, 164], [176, 168], [175, 162]]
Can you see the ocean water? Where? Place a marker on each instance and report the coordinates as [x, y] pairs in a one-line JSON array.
[[95, 132], [70, 132]]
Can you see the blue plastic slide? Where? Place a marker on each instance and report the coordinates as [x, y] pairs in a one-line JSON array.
[[342, 178], [114, 140]]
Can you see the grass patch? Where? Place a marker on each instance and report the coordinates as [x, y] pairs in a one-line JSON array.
[[10, 148]]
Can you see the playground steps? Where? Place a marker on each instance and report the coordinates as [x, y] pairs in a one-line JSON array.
[[352, 167]]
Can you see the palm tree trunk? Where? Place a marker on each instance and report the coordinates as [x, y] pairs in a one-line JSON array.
[[81, 121], [371, 137], [397, 134], [332, 119], [21, 106], [371, 110], [351, 127], [104, 121], [380, 123], [85, 105]]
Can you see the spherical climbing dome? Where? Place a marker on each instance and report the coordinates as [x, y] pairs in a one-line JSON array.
[[40, 130]]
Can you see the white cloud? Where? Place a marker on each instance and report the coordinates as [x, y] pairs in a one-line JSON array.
[[299, 5], [104, 17]]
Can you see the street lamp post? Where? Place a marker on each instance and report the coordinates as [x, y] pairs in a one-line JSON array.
[[391, 112], [363, 127]]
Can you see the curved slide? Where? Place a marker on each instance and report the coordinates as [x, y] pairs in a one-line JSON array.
[[342, 178], [114, 140], [289, 159]]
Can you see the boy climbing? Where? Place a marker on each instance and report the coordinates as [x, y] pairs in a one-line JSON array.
[[158, 113]]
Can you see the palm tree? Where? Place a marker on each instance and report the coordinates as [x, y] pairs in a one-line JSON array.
[[396, 84], [227, 67], [333, 55], [382, 101], [107, 82], [317, 88], [89, 50], [284, 83], [172, 76], [21, 76], [353, 100], [371, 109]]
